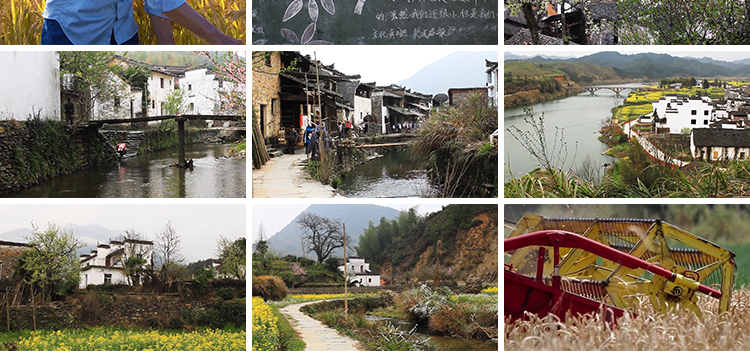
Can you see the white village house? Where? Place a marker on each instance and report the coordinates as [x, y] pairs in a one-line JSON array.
[[203, 88], [106, 264], [677, 113], [126, 104], [358, 273]]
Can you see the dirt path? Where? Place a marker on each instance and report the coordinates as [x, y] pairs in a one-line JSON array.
[[283, 177], [317, 335]]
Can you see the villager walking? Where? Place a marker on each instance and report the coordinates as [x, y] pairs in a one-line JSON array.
[[69, 110]]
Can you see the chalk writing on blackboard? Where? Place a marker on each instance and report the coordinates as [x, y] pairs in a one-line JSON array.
[[376, 22]]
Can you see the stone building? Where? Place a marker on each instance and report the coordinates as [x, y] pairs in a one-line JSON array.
[[717, 144], [10, 253], [266, 90]]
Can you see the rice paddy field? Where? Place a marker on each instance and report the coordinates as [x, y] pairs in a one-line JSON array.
[[21, 21], [649, 330]]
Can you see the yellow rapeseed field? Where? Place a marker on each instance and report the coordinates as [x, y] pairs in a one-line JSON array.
[[265, 331], [648, 331], [119, 340], [21, 21]]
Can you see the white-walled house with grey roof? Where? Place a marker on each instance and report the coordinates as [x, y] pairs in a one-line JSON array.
[[106, 264]]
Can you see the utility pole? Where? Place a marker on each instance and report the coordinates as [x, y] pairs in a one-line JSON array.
[[346, 279], [320, 111]]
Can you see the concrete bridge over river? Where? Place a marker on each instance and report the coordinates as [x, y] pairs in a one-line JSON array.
[[180, 119], [593, 89]]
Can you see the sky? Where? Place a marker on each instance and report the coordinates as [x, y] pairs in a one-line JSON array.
[[725, 53], [380, 64], [276, 216], [199, 225]]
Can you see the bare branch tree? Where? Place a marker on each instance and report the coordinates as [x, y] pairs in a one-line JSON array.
[[168, 246], [321, 235]]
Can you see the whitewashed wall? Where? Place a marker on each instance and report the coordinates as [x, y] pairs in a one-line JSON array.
[[31, 83], [158, 93]]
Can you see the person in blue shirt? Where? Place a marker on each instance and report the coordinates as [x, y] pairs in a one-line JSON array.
[[102, 22]]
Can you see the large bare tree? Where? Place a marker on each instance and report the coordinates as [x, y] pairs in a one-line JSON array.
[[168, 248], [321, 235]]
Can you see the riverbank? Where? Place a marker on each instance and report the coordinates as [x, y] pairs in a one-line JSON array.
[[438, 315], [284, 177], [38, 150]]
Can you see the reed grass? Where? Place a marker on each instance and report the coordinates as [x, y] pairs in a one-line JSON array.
[[21, 21]]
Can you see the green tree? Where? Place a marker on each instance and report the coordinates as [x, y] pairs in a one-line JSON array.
[[232, 254], [137, 261], [91, 76], [137, 76], [53, 260], [230, 67], [693, 22], [175, 103], [705, 84]]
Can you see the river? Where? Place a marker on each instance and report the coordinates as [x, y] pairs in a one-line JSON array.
[[579, 118], [395, 174], [439, 342], [150, 175]]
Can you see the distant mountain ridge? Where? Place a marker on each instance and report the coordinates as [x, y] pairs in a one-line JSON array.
[[90, 235], [658, 65], [357, 217], [456, 70]]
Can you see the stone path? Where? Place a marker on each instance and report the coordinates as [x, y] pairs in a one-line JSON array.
[[283, 177], [315, 334]]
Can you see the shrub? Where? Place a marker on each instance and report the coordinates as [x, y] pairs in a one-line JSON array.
[[270, 288], [223, 313], [226, 293]]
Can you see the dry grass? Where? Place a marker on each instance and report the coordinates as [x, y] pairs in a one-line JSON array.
[[647, 331], [21, 21]]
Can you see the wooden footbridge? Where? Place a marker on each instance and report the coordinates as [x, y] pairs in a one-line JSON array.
[[180, 119]]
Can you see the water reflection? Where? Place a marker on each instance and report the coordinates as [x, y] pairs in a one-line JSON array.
[[395, 174], [150, 175]]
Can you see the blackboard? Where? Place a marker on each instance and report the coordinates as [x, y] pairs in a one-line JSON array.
[[433, 22]]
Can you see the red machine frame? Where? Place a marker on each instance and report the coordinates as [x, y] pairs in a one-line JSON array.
[[527, 294]]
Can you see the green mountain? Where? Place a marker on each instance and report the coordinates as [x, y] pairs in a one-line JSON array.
[[579, 72], [650, 65], [404, 250]]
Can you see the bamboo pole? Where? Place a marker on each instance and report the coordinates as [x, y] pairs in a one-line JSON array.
[[346, 279], [7, 306]]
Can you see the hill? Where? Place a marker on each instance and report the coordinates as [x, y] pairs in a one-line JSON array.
[[655, 65], [586, 73], [456, 70], [357, 217], [404, 249]]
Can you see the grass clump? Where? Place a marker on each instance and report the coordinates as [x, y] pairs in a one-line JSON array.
[[270, 288]]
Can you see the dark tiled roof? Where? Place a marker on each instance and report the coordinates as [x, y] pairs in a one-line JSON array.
[[711, 137]]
